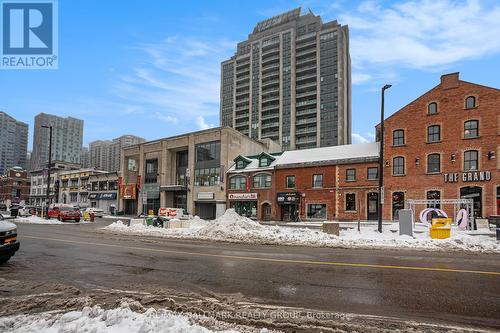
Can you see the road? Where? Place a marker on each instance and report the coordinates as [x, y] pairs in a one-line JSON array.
[[73, 261]]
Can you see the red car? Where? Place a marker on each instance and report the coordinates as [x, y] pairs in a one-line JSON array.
[[64, 213]]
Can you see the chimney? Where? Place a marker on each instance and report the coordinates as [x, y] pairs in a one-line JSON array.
[[449, 81]]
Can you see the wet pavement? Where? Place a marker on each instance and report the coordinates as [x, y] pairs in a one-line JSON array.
[[72, 263]]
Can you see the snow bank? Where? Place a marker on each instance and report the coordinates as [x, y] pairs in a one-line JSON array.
[[232, 227], [96, 319], [35, 220]]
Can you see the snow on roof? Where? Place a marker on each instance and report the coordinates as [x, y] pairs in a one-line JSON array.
[[330, 154]]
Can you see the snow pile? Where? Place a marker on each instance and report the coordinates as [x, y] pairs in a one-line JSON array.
[[232, 227], [35, 220], [96, 319]]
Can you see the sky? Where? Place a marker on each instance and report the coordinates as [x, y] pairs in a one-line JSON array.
[[152, 68]]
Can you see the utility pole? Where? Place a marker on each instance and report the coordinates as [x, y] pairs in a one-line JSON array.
[[381, 160], [47, 195]]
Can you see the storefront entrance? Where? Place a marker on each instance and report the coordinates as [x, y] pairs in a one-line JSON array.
[[372, 206], [474, 193], [289, 203], [289, 213], [245, 208], [130, 207], [266, 211], [205, 211]]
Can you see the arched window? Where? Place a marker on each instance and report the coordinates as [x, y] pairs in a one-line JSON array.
[[433, 133], [432, 108], [433, 163], [398, 166], [237, 182], [471, 160], [470, 102], [398, 137], [471, 129], [262, 180]]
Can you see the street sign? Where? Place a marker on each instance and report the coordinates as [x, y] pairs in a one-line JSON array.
[[144, 197]]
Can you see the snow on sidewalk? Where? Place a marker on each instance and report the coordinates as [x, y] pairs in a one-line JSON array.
[[232, 227], [97, 320], [40, 220]]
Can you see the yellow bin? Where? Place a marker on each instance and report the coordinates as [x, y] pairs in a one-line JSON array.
[[440, 228]]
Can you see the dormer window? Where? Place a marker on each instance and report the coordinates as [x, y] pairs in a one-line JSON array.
[[263, 162], [265, 159], [241, 162]]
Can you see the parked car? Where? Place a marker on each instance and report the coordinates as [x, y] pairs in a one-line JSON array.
[[25, 211], [68, 213], [8, 240], [98, 212]]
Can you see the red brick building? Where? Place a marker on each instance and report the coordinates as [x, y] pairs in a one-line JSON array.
[[14, 186], [445, 145]]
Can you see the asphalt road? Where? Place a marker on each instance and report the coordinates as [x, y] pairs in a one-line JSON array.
[[452, 288]]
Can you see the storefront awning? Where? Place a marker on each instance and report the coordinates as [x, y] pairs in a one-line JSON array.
[[172, 188], [102, 196]]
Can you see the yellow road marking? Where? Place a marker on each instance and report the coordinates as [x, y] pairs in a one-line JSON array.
[[290, 261]]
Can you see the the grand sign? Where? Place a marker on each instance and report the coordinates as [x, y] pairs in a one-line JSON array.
[[242, 196], [472, 176]]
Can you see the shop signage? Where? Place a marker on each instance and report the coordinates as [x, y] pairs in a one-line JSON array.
[[206, 196], [92, 196], [106, 196], [242, 196], [473, 176], [288, 197], [152, 189], [128, 191]]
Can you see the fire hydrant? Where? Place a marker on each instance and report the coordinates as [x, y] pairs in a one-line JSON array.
[[92, 216]]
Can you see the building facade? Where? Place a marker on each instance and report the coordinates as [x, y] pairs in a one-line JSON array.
[[14, 186], [103, 191], [13, 143], [85, 158], [185, 171], [445, 145], [105, 154], [74, 186], [38, 186], [290, 81], [67, 138]]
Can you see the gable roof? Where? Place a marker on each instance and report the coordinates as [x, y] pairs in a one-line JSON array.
[[271, 157]]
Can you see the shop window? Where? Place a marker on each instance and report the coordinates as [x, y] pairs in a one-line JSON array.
[[470, 102], [398, 166], [290, 181], [398, 203], [471, 162], [434, 195], [398, 137], [432, 108], [433, 133], [317, 181], [372, 173], [237, 182], [316, 211], [433, 163], [262, 180], [350, 175], [350, 202], [471, 129]]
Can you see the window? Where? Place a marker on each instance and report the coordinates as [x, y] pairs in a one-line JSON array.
[[372, 173], [350, 202], [206, 176], [433, 195], [398, 166], [290, 181], [262, 180], [207, 151], [263, 162], [112, 185], [433, 163], [317, 181], [398, 138], [470, 102], [237, 182], [432, 108], [433, 133], [471, 160], [240, 164], [398, 203], [73, 197], [350, 175], [316, 211], [151, 171], [471, 129]]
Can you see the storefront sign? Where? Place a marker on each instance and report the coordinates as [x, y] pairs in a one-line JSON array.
[[106, 196], [128, 191], [242, 196], [474, 176], [152, 189], [206, 196], [288, 197], [92, 196]]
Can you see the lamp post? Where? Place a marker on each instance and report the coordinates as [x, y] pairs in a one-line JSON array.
[[47, 198], [381, 160]]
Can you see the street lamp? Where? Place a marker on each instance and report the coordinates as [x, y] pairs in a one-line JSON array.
[[381, 160], [47, 199]]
